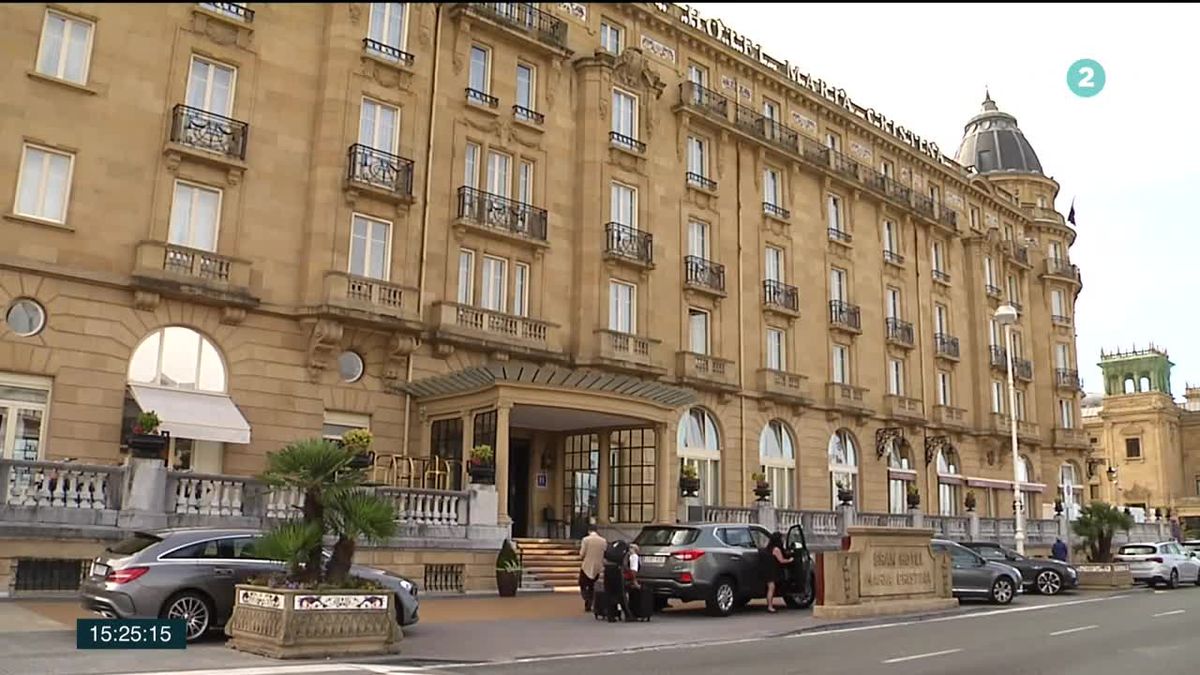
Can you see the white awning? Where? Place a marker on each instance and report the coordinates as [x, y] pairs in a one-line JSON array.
[[198, 415]]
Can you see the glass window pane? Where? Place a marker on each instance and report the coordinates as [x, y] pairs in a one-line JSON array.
[[52, 42], [32, 179], [212, 370], [77, 48], [181, 348]]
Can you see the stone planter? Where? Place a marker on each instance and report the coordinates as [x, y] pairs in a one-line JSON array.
[[762, 491], [482, 474], [689, 487], [846, 497], [363, 459], [148, 446], [283, 623], [914, 501], [1104, 576], [507, 582]]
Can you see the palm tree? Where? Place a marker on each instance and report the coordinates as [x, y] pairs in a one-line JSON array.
[[1097, 524], [334, 503]]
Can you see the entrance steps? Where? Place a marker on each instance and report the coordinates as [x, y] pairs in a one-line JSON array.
[[550, 563]]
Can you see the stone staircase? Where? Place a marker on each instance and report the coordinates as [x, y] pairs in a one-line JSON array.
[[549, 563]]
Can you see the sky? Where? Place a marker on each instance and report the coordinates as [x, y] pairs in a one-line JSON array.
[[1126, 156]]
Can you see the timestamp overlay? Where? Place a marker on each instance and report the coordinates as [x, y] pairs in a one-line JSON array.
[[130, 634]]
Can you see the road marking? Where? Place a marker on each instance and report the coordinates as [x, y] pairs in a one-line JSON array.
[[1073, 630], [297, 670], [914, 657], [1171, 613]]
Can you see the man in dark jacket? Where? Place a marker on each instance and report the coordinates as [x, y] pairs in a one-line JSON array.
[[1059, 550]]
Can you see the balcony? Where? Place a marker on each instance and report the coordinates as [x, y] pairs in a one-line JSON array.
[[904, 408], [627, 143], [524, 18], [493, 213], [528, 115], [700, 182], [780, 297], [784, 386], [776, 211], [945, 346], [940, 276], [1061, 269], [706, 372], [1067, 379], [1023, 369], [925, 206], [999, 357], [209, 132], [899, 193], [839, 235], [893, 258], [1061, 320], [482, 98], [949, 417], [162, 269], [628, 244], [1001, 424], [843, 166], [814, 152], [847, 398], [1070, 438], [380, 172], [487, 329], [370, 299], [1018, 253], [766, 129], [232, 10], [704, 275], [899, 332], [388, 53], [947, 218], [993, 291], [845, 316], [628, 352], [704, 100]]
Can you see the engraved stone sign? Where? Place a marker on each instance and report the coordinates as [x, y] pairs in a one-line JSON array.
[[897, 570]]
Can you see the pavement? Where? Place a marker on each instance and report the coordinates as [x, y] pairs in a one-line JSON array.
[[1097, 633]]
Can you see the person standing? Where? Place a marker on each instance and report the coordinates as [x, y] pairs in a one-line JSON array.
[[1059, 550], [591, 554], [774, 558]]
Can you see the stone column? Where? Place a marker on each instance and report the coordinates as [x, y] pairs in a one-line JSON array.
[[973, 525], [604, 479], [502, 411], [666, 487], [684, 508], [846, 520], [766, 515], [468, 441], [916, 517], [144, 498]]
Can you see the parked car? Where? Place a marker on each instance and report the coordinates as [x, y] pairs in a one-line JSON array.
[[1192, 545], [1162, 563], [973, 576], [1042, 575], [190, 574], [720, 564]]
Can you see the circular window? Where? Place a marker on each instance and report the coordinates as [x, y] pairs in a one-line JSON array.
[[26, 317], [350, 367]]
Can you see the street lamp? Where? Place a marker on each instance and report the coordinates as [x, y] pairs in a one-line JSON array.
[[1006, 315]]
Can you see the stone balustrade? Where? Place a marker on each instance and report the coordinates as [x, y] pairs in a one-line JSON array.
[[729, 514], [60, 485], [416, 506]]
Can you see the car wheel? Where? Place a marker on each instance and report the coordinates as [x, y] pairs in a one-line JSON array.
[[1049, 582], [1173, 582], [1002, 591], [723, 597], [194, 609], [802, 600]]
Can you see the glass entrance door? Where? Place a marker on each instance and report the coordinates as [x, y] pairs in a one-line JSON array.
[[581, 482]]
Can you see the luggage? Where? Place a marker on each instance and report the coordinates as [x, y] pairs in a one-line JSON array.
[[641, 604], [616, 552]]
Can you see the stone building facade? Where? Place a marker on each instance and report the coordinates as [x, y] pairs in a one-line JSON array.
[[606, 239]]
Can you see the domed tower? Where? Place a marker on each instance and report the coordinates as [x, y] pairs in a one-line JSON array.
[[993, 144]]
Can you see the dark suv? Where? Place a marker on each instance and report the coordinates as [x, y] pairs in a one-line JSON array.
[[720, 563]]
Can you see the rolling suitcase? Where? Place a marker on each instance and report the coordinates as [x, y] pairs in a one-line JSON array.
[[641, 604]]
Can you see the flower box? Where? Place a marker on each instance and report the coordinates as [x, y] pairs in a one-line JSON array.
[[287, 623]]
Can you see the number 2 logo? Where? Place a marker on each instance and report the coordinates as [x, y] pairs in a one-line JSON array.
[[1085, 78], [1088, 74]]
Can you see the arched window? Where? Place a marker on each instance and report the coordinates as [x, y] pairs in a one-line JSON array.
[[699, 445], [900, 475], [949, 482], [178, 357], [1070, 490], [843, 463], [777, 453], [1025, 476]]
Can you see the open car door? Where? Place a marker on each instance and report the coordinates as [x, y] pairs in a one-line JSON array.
[[799, 590]]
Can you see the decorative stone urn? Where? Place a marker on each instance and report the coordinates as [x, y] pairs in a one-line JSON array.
[[287, 623]]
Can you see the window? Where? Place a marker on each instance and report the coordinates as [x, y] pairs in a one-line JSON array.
[[521, 289], [941, 319], [1133, 448], [1062, 356], [893, 303], [698, 239], [698, 331], [379, 126], [841, 364], [937, 255], [890, 239], [989, 271], [471, 165], [25, 317], [774, 264], [843, 464], [1008, 232], [526, 86], [1066, 414], [895, 377], [776, 350], [833, 141], [944, 391], [621, 307], [948, 482], [178, 357], [466, 277], [699, 445], [611, 37], [1070, 490], [777, 453], [388, 23], [66, 48], [998, 394], [935, 194], [495, 283], [23, 400], [370, 247], [632, 471], [974, 215], [899, 460], [1020, 406], [772, 194], [624, 205], [499, 179], [625, 114], [887, 168], [995, 339], [837, 284], [697, 156], [336, 424], [833, 204], [44, 185], [1041, 201], [1056, 252], [1058, 303], [211, 86], [770, 110], [697, 74], [525, 182], [479, 77], [1014, 293], [195, 216]]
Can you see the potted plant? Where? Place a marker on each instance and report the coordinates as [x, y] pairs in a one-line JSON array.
[[844, 493], [315, 607], [762, 489], [358, 442], [1157, 513], [914, 496], [147, 442], [1058, 506], [689, 480], [482, 465], [508, 570], [969, 502]]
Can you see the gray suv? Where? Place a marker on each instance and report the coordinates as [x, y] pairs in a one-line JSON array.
[[190, 574], [720, 563]]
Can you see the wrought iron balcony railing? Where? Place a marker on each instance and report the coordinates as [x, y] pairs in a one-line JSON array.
[[837, 234], [766, 128], [999, 356], [842, 313], [704, 273], [899, 331], [388, 52], [528, 114], [482, 98], [947, 217], [843, 165], [701, 182], [1060, 319], [1067, 378], [776, 210], [1061, 268], [924, 205], [380, 169], [231, 9], [1023, 369], [993, 290], [208, 131], [525, 17], [628, 242], [704, 100], [781, 295], [500, 213], [946, 345], [628, 142], [814, 151], [897, 191], [940, 275], [893, 257]]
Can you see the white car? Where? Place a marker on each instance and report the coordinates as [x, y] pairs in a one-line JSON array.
[[1163, 563]]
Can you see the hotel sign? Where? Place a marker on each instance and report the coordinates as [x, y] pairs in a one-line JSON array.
[[732, 39]]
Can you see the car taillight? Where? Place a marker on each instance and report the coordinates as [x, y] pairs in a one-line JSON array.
[[685, 577], [126, 575], [688, 555], [1155, 560]]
